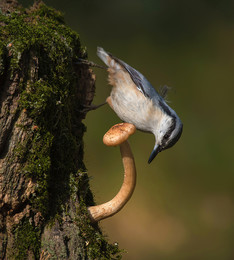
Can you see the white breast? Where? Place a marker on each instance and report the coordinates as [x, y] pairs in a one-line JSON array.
[[133, 107]]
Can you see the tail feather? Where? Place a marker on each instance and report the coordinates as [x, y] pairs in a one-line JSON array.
[[107, 58]]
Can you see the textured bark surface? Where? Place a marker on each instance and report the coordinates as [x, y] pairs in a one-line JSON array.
[[44, 188]]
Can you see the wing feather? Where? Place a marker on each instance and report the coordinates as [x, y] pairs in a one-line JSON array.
[[136, 76], [142, 84]]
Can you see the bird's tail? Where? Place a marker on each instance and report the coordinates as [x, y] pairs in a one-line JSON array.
[[108, 59]]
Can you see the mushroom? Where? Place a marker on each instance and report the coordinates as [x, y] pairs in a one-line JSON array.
[[118, 135]]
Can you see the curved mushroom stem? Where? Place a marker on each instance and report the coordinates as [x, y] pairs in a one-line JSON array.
[[111, 207]]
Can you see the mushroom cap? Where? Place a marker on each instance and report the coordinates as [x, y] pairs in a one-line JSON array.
[[118, 133]]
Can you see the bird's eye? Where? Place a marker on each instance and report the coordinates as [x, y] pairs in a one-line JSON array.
[[166, 136]]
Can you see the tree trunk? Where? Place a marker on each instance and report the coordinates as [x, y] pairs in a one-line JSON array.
[[44, 187]]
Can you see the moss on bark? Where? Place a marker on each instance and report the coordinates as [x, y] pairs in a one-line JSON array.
[[45, 188]]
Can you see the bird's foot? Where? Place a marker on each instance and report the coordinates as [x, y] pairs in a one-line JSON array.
[[87, 108], [89, 63]]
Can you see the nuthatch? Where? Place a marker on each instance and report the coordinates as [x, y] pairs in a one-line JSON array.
[[136, 101]]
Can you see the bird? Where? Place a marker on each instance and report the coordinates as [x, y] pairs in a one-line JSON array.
[[136, 101]]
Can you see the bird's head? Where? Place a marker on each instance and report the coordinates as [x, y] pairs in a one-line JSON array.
[[167, 133]]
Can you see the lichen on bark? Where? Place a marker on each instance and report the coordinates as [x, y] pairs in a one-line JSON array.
[[44, 186]]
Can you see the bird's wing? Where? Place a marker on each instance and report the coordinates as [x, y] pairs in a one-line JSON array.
[[136, 77], [142, 84]]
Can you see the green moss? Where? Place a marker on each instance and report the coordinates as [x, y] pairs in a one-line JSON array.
[[41, 49], [26, 239], [96, 243], [2, 58], [37, 46], [38, 37], [38, 168], [40, 28], [48, 12], [97, 246]]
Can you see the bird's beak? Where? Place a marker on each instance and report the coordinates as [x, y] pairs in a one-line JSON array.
[[155, 151]]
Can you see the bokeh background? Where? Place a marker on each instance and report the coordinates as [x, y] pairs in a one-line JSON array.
[[183, 206]]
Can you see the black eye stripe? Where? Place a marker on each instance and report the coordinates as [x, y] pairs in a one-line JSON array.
[[172, 142], [171, 129]]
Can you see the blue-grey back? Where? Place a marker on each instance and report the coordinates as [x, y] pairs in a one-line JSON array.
[[143, 85]]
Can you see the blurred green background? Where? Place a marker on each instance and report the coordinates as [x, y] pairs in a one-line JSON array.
[[183, 206]]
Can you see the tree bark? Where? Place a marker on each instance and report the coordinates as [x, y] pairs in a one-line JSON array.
[[44, 186]]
